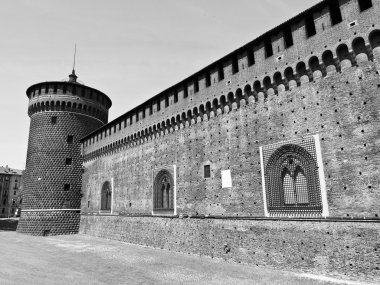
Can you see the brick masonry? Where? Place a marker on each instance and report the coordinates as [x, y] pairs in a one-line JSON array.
[[341, 249], [52, 184], [346, 124]]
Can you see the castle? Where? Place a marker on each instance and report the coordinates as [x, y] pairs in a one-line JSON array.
[[267, 156]]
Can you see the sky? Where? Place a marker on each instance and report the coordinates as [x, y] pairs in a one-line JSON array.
[[129, 49]]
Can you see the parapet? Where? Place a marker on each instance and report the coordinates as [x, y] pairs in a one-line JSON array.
[[326, 38], [68, 96]]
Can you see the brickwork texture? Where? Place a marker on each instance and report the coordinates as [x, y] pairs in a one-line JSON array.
[[53, 174]]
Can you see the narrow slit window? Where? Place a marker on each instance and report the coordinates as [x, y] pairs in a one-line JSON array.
[[251, 57], [185, 92], [69, 161], [335, 14], [166, 101], [310, 26], [150, 109], [208, 79], [196, 85], [159, 105], [206, 171], [220, 72], [235, 65], [175, 97], [365, 4], [268, 48], [74, 90], [64, 88]]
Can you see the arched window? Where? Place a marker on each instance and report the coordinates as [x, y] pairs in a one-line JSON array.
[[163, 200], [106, 197], [292, 182]]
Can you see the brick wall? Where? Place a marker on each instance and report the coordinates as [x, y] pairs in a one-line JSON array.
[[46, 172], [341, 108], [340, 249]]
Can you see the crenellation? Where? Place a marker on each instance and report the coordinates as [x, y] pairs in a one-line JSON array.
[[298, 33]]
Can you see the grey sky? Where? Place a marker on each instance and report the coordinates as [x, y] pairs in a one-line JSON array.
[[130, 50]]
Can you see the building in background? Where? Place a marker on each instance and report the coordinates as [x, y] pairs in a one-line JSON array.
[[10, 192]]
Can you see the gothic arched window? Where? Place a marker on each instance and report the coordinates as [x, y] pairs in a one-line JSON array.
[[163, 192], [292, 182], [106, 196]]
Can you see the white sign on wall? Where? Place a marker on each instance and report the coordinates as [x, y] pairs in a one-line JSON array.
[[226, 178]]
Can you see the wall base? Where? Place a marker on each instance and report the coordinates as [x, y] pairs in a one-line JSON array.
[[341, 249], [43, 223]]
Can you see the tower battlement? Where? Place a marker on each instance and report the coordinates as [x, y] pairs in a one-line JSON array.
[[68, 97]]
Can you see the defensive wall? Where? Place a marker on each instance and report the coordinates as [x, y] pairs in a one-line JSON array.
[[190, 169]]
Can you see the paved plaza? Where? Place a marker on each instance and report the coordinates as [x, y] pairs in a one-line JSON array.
[[81, 259]]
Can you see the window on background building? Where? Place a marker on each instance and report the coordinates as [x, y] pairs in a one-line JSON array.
[[106, 196]]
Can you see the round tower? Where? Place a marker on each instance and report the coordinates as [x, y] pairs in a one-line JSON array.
[[61, 113]]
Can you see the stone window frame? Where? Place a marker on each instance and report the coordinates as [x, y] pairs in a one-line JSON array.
[[313, 148], [157, 173]]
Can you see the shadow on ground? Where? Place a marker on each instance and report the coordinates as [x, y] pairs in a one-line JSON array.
[[8, 224]]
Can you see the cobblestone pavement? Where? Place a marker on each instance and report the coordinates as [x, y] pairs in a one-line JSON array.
[[81, 259]]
